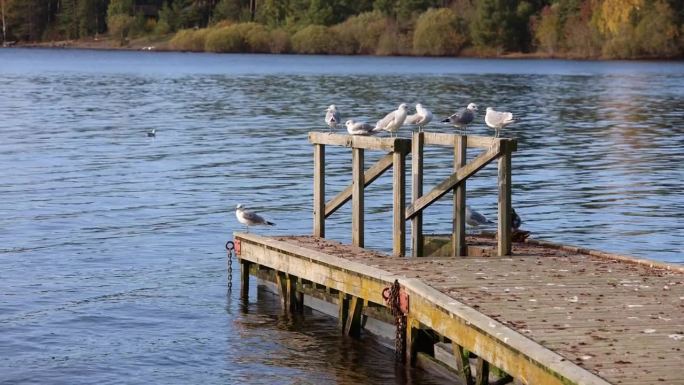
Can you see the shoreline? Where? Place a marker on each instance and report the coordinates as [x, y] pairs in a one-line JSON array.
[[162, 45]]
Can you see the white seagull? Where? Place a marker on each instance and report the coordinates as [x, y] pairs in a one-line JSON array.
[[475, 219], [392, 121], [421, 118], [463, 117], [358, 128], [332, 117], [250, 218], [498, 120]]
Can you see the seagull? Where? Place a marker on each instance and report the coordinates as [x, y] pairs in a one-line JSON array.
[[250, 218], [421, 118], [515, 220], [475, 219], [392, 121], [332, 117], [152, 133], [498, 120], [358, 128], [463, 117]]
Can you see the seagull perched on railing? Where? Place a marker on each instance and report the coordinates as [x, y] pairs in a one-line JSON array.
[[358, 128], [250, 218], [475, 219], [332, 117], [498, 120], [463, 117], [421, 118], [392, 121]]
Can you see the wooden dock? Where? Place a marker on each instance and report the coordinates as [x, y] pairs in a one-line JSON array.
[[532, 312]]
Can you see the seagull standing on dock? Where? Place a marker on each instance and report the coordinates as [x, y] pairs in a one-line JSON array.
[[332, 117], [475, 219], [392, 121], [358, 128], [250, 218], [421, 118], [463, 117], [515, 220], [498, 120]]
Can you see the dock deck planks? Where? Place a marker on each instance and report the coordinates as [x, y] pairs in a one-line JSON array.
[[622, 321]]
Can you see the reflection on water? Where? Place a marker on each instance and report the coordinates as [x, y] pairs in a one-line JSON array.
[[111, 242]]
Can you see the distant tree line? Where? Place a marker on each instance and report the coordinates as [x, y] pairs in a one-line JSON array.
[[564, 28]]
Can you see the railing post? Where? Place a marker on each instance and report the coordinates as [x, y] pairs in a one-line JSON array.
[[319, 191], [458, 245], [399, 187], [357, 197], [417, 145], [504, 226]]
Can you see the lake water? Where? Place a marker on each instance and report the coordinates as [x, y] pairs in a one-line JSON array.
[[111, 243]]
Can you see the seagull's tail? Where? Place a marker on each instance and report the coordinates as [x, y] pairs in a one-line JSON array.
[[267, 223], [447, 120]]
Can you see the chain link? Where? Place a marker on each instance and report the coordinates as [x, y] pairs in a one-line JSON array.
[[230, 250], [399, 322]]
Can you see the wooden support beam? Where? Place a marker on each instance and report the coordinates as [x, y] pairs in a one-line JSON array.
[[319, 191], [352, 326], [458, 228], [373, 173], [357, 197], [417, 191], [448, 184], [244, 279], [482, 375], [281, 283], [418, 340], [342, 310], [504, 223], [365, 142], [462, 363], [399, 193]]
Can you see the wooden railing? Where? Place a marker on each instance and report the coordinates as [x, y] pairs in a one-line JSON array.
[[398, 148]]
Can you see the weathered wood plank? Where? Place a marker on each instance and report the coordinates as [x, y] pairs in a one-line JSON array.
[[474, 141], [458, 242], [399, 195], [358, 184], [373, 173], [417, 191], [448, 184], [402, 145], [504, 223], [319, 191]]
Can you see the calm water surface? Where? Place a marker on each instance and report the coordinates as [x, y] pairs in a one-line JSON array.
[[111, 242]]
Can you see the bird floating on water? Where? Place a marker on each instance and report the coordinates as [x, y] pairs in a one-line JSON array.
[[358, 128], [498, 120], [332, 117], [250, 218], [421, 118], [463, 117], [152, 133], [392, 121], [475, 219]]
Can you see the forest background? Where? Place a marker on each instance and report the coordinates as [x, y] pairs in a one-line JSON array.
[[586, 29]]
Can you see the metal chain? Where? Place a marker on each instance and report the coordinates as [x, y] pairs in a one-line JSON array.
[[399, 322], [230, 250]]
